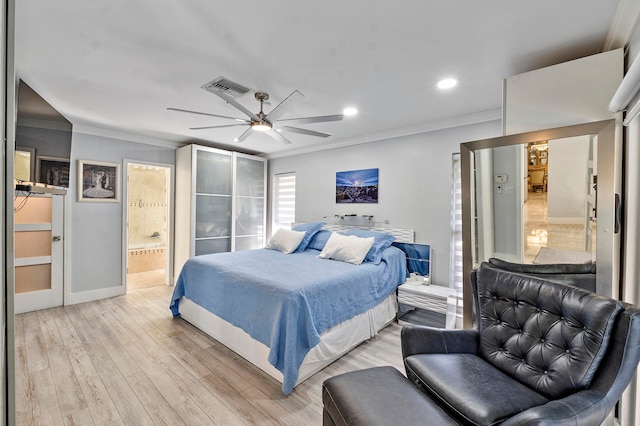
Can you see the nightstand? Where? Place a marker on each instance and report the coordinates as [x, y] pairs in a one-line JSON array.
[[431, 298]]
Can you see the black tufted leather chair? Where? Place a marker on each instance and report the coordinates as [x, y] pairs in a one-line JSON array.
[[542, 353]]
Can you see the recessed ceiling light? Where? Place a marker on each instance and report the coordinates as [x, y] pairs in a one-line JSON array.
[[349, 111], [447, 83]]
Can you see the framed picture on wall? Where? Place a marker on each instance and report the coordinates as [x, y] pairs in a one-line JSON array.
[[98, 181], [357, 186], [53, 171]]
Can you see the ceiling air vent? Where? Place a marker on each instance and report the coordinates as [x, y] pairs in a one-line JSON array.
[[229, 88]]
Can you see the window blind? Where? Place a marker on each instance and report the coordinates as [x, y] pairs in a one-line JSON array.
[[284, 204], [454, 310]]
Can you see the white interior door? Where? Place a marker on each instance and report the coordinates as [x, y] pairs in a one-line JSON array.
[[39, 252]]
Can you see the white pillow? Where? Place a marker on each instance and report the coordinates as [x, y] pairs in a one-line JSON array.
[[346, 248], [285, 240]]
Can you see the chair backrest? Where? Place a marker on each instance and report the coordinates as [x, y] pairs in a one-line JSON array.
[[537, 177], [549, 336], [581, 275]]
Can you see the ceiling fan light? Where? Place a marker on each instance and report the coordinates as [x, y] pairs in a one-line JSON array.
[[261, 126]]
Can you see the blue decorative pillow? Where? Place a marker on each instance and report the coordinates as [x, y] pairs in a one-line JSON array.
[[382, 241], [310, 228], [320, 239]]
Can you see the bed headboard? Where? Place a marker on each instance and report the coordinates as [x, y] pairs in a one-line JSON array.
[[402, 235]]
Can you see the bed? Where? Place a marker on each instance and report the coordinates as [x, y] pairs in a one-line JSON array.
[[292, 314]]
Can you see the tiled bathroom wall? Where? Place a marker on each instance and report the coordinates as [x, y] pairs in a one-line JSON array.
[[148, 218]]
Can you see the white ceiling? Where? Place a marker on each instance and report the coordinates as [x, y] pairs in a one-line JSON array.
[[117, 65]]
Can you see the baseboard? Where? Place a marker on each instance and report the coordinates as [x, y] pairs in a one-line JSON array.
[[88, 296], [565, 220]]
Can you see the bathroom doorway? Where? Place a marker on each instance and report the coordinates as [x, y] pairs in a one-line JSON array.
[[148, 225]]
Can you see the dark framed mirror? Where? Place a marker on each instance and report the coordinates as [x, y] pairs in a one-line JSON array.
[[502, 176]]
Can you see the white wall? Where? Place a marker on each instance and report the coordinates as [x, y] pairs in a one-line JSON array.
[[567, 180], [507, 203], [414, 181], [94, 251], [572, 92]]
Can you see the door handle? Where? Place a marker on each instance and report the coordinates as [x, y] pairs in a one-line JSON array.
[[56, 238]]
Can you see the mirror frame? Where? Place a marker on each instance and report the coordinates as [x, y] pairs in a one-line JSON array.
[[608, 205]]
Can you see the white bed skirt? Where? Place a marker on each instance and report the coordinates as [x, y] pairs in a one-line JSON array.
[[334, 342]]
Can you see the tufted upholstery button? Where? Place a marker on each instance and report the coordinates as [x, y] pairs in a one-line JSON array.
[[567, 351], [546, 372]]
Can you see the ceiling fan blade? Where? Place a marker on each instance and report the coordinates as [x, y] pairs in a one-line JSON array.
[[304, 131], [318, 119], [232, 102], [245, 135], [207, 114], [215, 127], [281, 108], [277, 136]]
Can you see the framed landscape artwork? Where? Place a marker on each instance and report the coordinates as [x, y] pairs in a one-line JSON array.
[[98, 181], [357, 186]]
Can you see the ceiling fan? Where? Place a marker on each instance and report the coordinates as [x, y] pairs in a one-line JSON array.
[[270, 123]]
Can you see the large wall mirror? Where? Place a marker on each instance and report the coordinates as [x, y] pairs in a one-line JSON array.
[[547, 196]]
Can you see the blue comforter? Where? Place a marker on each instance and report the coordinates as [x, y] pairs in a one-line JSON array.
[[286, 301]]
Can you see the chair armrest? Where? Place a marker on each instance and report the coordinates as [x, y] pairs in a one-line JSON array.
[[418, 339], [583, 408]]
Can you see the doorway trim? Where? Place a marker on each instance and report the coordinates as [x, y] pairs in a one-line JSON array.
[[125, 214]]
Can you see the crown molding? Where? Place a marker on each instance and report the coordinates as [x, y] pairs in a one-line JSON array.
[[448, 123]]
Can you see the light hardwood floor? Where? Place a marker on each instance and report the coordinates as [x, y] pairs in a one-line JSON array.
[[540, 233], [126, 361]]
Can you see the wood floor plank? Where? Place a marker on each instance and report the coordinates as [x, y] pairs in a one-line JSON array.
[[34, 343], [110, 345], [18, 330], [68, 388], [129, 362], [129, 406], [180, 354], [79, 418], [49, 329], [152, 400], [241, 407], [26, 419], [23, 395], [204, 396], [167, 387], [46, 410], [99, 401], [188, 409]]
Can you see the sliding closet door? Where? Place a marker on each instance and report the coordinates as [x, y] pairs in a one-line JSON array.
[[249, 202]]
